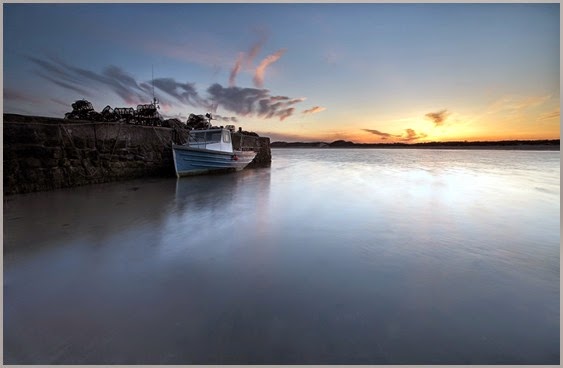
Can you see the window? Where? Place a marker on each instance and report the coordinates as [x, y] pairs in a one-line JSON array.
[[198, 136], [215, 137], [206, 137], [226, 137]]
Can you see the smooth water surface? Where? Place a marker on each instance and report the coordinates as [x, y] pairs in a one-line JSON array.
[[334, 256]]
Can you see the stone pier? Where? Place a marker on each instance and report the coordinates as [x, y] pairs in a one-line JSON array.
[[43, 153]]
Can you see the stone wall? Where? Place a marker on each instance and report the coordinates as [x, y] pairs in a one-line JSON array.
[[47, 153], [263, 157]]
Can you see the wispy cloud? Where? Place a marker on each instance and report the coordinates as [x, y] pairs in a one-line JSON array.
[[516, 104], [11, 94], [241, 101], [438, 117], [314, 110], [182, 92], [251, 102], [83, 81], [65, 85], [383, 135], [236, 69], [549, 115], [410, 135], [121, 83], [254, 50], [62, 103], [245, 59], [264, 64]]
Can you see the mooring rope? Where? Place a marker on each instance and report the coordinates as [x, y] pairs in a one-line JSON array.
[[69, 136], [80, 152], [115, 143], [158, 136]]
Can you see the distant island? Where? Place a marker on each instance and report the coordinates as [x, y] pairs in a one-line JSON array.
[[544, 145]]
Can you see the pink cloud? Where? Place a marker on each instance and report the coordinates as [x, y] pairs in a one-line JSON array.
[[314, 110], [236, 69], [264, 64], [254, 51], [245, 59]]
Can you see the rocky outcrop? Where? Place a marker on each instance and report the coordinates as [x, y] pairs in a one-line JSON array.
[[48, 153]]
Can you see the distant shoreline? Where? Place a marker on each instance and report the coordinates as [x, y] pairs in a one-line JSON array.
[[537, 145]]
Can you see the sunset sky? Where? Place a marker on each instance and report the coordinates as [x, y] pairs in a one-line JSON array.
[[298, 72]]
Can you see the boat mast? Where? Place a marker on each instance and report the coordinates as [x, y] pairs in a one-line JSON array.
[[153, 98]]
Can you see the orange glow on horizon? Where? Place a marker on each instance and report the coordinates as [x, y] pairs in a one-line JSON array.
[[367, 137], [359, 136], [523, 121]]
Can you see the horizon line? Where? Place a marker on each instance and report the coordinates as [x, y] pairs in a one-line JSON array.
[[430, 142]]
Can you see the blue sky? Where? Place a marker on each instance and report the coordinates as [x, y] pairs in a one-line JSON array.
[[362, 72]]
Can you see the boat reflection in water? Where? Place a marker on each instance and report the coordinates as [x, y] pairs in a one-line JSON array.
[[246, 191]]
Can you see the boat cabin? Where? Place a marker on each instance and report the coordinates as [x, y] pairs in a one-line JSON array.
[[211, 139]]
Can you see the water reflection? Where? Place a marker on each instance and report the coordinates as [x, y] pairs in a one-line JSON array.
[[90, 213], [329, 257], [210, 211]]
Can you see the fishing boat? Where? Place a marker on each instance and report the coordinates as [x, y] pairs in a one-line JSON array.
[[210, 150]]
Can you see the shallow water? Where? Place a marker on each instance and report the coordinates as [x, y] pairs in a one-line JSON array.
[[329, 257]]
